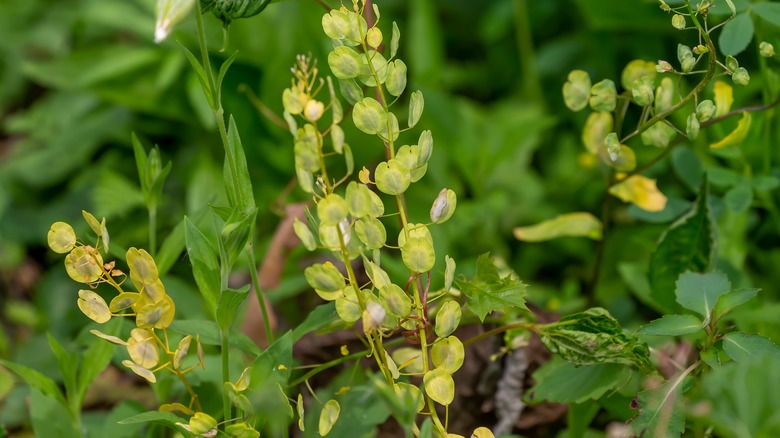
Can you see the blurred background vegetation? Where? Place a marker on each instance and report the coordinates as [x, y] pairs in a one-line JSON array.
[[77, 77]]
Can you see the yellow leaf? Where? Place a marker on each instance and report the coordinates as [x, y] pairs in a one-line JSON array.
[[143, 372], [61, 237], [94, 306], [724, 97], [328, 416], [142, 348], [580, 224], [640, 191], [736, 136]]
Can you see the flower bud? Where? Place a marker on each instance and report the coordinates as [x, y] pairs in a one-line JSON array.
[[229, 10], [664, 6], [642, 90], [700, 49], [201, 423], [766, 50], [443, 206], [705, 110], [663, 66], [732, 63], [313, 110], [740, 76], [169, 13], [692, 127], [664, 95], [678, 21]]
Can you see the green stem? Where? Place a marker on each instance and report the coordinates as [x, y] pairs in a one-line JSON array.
[[153, 230], [224, 346], [532, 86], [269, 334]]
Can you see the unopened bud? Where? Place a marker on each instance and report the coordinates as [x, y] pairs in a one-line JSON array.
[[685, 57], [664, 6], [700, 49], [732, 63], [201, 423], [740, 76], [443, 206], [170, 13], [663, 66], [613, 146], [313, 110], [766, 49]]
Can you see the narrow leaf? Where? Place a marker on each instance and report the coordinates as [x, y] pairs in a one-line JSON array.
[[671, 325], [580, 224], [744, 347], [236, 173], [205, 267]]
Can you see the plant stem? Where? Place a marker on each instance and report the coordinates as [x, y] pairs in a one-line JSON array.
[[225, 352], [153, 230], [532, 86], [269, 334]]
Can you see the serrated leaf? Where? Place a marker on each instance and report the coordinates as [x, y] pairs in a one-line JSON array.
[[671, 325], [488, 291], [580, 224], [733, 299], [560, 381], [687, 245], [594, 336], [744, 347], [661, 410], [700, 292]]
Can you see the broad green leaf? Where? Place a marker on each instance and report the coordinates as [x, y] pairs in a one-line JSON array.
[[746, 347], [416, 105], [165, 418], [765, 182], [688, 244], [671, 325], [328, 416], [238, 185], [236, 233], [661, 410], [96, 358], [229, 302], [592, 337], [727, 302], [560, 381], [700, 292], [738, 135], [736, 34], [68, 363], [576, 90], [740, 197], [640, 191], [488, 291], [322, 316], [37, 380], [49, 417], [369, 116], [344, 62], [769, 11], [580, 224], [439, 386], [447, 318], [448, 354], [205, 267]]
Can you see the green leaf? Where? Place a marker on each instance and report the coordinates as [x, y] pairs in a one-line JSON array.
[[236, 233], [328, 416], [728, 301], [592, 337], [687, 244], [205, 267], [165, 418], [448, 354], [560, 381], [351, 91], [769, 11], [48, 417], [223, 69], [488, 291], [661, 410], [700, 292], [671, 325], [202, 77], [229, 301], [739, 198], [322, 316], [745, 347], [238, 185], [35, 379], [209, 334], [736, 35], [68, 363], [97, 357], [580, 224]]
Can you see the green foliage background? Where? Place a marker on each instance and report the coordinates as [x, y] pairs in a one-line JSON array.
[[78, 76]]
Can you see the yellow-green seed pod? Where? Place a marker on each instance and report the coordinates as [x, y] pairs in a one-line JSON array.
[[740, 76], [576, 90], [84, 264], [766, 49], [61, 237]]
